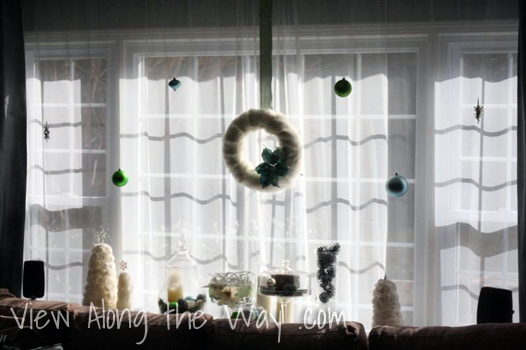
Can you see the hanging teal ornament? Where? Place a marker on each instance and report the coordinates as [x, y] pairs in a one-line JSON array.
[[396, 186], [174, 84], [120, 178], [342, 88]]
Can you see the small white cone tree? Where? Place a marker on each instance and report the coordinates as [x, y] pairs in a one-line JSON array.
[[102, 278], [386, 305], [125, 289]]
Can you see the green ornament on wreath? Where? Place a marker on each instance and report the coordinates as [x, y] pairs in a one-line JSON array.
[[273, 167]]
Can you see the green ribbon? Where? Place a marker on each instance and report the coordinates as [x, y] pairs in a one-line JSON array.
[[265, 53]]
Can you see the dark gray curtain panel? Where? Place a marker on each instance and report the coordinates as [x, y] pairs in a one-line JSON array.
[[12, 145], [521, 158]]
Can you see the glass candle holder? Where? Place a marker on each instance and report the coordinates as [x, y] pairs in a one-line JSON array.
[[284, 284], [181, 290], [232, 289]]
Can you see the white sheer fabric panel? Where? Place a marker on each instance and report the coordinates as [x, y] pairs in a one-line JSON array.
[[476, 175], [174, 149], [68, 187]]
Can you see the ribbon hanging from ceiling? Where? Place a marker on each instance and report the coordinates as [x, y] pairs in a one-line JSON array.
[[280, 167], [265, 53]]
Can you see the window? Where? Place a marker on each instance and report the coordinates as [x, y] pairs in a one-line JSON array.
[[170, 143], [476, 173]]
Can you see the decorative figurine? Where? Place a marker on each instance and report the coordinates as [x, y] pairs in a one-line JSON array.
[[396, 186], [342, 88], [46, 132], [386, 304], [124, 288], [101, 284], [479, 111], [174, 84]]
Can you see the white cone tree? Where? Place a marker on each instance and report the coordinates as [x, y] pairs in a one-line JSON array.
[[386, 305], [102, 278], [125, 289]]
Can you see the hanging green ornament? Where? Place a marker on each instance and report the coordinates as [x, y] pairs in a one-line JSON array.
[[342, 88], [174, 84], [396, 186], [120, 178]]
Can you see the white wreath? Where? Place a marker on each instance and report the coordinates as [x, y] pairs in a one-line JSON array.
[[274, 123]]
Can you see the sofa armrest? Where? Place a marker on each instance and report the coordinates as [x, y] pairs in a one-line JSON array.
[[4, 293], [501, 336], [51, 318]]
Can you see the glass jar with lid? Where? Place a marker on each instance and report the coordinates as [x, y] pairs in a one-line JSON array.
[[284, 284], [181, 290]]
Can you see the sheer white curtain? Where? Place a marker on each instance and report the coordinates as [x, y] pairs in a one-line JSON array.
[[99, 79], [476, 172], [171, 143]]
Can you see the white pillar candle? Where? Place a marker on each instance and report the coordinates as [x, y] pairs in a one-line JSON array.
[[124, 293], [264, 301], [285, 311], [175, 276], [175, 292]]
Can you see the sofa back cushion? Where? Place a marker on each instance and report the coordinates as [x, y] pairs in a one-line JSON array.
[[348, 336], [81, 327], [499, 336], [152, 331]]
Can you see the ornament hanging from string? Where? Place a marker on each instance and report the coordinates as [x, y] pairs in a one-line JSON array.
[[46, 132], [120, 178], [342, 88], [396, 186], [479, 111], [175, 84]]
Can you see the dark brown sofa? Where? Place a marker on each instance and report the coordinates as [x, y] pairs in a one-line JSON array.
[[209, 334], [204, 333], [490, 336]]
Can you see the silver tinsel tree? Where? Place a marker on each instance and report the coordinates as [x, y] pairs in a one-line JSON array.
[[386, 305]]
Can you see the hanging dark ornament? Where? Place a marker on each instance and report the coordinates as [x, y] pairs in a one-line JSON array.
[[120, 178], [174, 84], [396, 186], [46, 132], [342, 88], [479, 111]]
